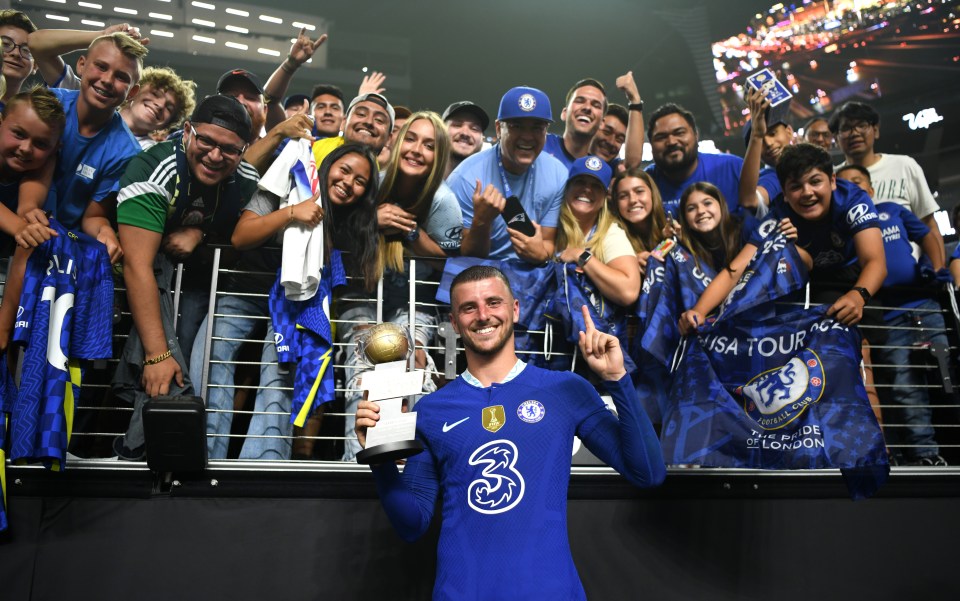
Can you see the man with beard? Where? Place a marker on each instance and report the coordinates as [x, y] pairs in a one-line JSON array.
[[466, 122], [678, 163], [497, 443], [896, 177]]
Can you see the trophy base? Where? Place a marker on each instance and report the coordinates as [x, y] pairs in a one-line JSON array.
[[389, 451]]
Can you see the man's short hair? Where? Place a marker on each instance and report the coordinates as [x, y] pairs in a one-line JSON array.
[[226, 112], [128, 46], [619, 111], [809, 124], [671, 108], [858, 168], [478, 273], [167, 80], [44, 104], [853, 111], [797, 160], [325, 89], [593, 83], [15, 18]]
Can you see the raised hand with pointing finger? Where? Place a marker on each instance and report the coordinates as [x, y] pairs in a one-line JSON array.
[[601, 350]]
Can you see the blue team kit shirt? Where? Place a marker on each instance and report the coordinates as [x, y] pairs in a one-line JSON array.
[[721, 170], [540, 190], [555, 148], [87, 168], [65, 315], [500, 459], [830, 240], [900, 227]]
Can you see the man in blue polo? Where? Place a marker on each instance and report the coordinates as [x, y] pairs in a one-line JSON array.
[[516, 166]]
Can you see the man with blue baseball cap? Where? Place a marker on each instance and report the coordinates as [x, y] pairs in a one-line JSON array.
[[515, 167]]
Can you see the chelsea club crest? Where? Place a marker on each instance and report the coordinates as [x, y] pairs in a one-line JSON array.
[[778, 396], [527, 102], [531, 411]]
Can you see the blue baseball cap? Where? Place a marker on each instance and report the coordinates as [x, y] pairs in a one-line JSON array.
[[593, 166], [523, 102]]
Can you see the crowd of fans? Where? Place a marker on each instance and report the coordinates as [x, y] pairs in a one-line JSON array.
[[128, 155]]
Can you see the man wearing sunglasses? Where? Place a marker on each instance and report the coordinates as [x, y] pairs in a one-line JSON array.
[[172, 197]]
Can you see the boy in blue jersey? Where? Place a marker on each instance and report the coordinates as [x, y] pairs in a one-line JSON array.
[[498, 444], [916, 325], [96, 142], [766, 134]]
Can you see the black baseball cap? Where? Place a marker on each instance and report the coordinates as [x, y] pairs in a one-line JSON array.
[[225, 112], [469, 107], [775, 115], [295, 100], [242, 74]]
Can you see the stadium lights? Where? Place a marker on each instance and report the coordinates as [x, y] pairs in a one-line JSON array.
[[125, 11], [203, 5], [306, 26], [90, 5], [58, 18], [270, 19], [204, 39], [161, 33], [235, 45], [161, 16], [203, 22], [236, 29], [268, 51], [90, 23], [237, 12], [58, 1]]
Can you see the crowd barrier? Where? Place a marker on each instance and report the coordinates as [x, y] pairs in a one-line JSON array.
[[100, 419]]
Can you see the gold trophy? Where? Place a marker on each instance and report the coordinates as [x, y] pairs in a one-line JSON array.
[[387, 347]]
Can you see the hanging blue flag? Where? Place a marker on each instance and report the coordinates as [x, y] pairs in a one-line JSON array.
[[782, 393], [773, 278]]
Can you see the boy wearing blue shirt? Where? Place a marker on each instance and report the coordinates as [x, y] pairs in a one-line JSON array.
[[913, 443]]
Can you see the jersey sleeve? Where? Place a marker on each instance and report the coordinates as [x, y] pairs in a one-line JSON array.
[[923, 204], [463, 191], [142, 202], [409, 500], [626, 442], [916, 229]]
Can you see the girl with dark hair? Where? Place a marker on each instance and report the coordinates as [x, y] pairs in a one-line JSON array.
[[711, 234], [345, 206]]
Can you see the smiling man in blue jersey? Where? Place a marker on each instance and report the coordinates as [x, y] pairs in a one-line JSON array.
[[498, 445], [516, 166]]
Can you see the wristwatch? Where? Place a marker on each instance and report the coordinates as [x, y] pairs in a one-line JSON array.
[[635, 106], [864, 293], [583, 258], [413, 234]]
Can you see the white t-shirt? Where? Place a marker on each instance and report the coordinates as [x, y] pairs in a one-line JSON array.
[[898, 178]]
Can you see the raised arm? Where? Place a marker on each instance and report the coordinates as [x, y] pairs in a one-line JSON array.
[[276, 88], [47, 46], [750, 192], [627, 442], [633, 153]]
